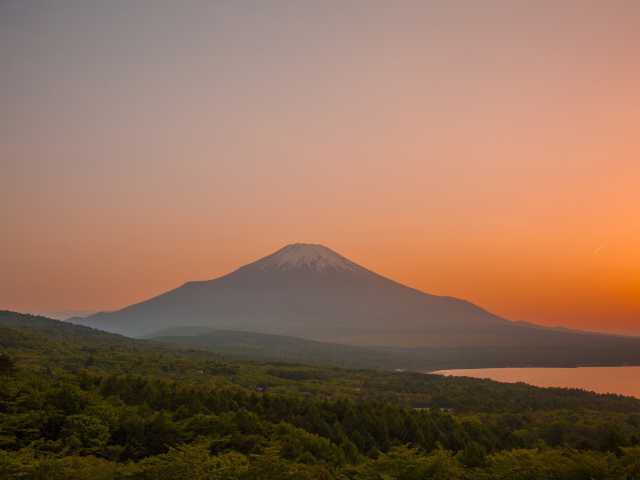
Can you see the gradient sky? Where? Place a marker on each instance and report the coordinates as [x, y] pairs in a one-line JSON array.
[[486, 150]]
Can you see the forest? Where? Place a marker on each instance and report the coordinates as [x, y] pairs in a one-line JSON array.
[[77, 403]]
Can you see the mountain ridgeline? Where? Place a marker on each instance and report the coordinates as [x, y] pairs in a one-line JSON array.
[[312, 292]]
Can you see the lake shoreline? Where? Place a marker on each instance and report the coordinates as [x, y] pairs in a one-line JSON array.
[[618, 380]]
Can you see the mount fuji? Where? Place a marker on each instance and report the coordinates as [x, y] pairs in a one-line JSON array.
[[313, 292]]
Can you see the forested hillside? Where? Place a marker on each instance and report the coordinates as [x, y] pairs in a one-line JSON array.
[[258, 346], [76, 403]]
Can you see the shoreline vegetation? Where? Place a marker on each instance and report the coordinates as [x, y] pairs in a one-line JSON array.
[[621, 380]]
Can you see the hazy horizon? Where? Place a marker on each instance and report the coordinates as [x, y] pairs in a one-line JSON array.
[[487, 152]]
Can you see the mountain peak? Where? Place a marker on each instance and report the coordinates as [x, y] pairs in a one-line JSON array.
[[307, 256]]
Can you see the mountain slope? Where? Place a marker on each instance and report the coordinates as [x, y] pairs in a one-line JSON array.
[[53, 329], [311, 291]]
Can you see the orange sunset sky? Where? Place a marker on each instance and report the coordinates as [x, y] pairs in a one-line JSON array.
[[484, 150]]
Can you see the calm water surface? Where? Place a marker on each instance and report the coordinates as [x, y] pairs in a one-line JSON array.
[[621, 380]]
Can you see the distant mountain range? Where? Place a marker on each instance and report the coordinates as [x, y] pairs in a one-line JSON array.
[[312, 292]]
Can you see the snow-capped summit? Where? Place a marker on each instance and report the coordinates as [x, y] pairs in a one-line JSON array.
[[309, 256]]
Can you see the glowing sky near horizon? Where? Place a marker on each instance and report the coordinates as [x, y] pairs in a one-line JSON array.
[[484, 150]]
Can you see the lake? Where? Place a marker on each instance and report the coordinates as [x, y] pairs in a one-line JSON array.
[[621, 380]]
